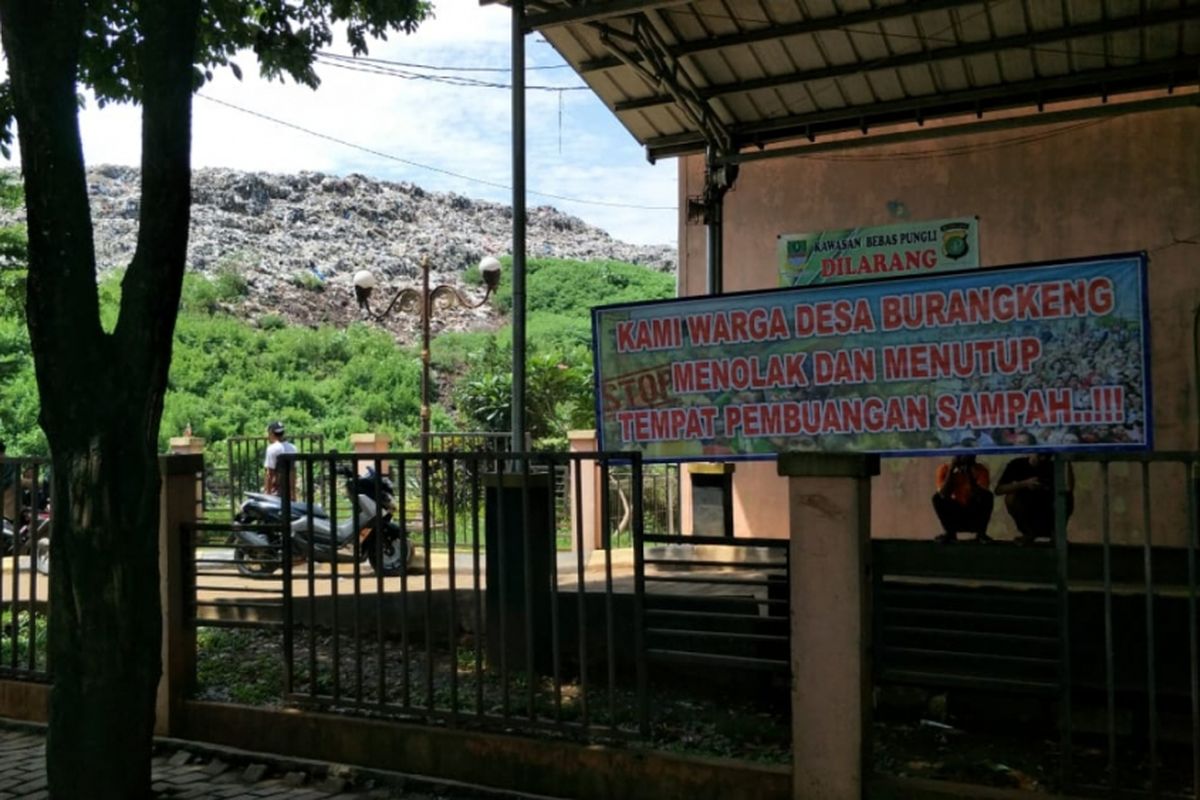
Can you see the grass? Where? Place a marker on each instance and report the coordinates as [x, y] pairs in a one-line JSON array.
[[246, 666], [30, 632]]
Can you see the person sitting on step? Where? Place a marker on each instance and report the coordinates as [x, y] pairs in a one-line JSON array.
[[962, 501]]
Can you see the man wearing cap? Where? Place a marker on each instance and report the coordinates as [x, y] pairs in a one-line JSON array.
[[278, 445]]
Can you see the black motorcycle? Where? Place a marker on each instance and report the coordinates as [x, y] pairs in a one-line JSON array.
[[259, 524]]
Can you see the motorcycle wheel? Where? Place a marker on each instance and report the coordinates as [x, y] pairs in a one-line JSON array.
[[395, 557], [255, 562], [41, 561]]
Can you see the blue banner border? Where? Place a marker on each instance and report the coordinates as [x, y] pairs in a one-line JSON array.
[[1140, 256]]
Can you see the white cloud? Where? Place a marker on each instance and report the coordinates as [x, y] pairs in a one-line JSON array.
[[576, 149]]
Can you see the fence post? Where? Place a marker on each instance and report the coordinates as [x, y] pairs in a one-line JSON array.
[[588, 528], [177, 509], [829, 505], [189, 445]]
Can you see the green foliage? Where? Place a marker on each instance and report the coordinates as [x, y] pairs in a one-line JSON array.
[[13, 252], [29, 631], [571, 288], [308, 281], [558, 395], [284, 35], [230, 280], [232, 665], [271, 322], [228, 377]]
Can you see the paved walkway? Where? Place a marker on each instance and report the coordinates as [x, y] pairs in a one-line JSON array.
[[186, 771]]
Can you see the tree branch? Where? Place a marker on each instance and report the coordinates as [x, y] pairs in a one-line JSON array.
[[154, 280], [42, 41]]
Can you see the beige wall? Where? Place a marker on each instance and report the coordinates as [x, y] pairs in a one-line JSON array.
[[1079, 189]]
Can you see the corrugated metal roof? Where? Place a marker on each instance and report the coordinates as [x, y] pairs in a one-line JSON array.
[[684, 75]]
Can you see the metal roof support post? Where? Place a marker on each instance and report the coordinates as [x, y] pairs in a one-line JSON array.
[[518, 215], [714, 218], [718, 179]]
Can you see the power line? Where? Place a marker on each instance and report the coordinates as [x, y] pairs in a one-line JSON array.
[[453, 80], [418, 165], [436, 68]]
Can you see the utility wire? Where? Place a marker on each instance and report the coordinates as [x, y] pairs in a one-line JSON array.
[[435, 68], [418, 165], [453, 80]]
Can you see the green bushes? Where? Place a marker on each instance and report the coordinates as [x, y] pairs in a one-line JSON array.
[[229, 378]]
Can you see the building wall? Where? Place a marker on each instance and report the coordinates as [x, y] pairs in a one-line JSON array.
[[1053, 192]]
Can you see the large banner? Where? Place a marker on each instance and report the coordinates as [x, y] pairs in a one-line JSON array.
[[886, 251], [1050, 357]]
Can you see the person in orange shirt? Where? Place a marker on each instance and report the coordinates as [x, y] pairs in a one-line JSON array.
[[963, 501]]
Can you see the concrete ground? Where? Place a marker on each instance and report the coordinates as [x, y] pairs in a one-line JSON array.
[[190, 771]]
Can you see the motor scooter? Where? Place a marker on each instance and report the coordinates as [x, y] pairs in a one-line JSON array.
[[259, 524]]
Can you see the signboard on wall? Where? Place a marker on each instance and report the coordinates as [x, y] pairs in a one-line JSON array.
[[887, 251], [981, 359]]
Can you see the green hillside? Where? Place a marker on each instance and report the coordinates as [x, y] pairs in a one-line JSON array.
[[229, 377]]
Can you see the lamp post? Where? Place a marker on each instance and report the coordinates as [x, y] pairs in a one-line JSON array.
[[423, 300]]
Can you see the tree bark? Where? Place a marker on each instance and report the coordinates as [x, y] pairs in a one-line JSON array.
[[101, 392]]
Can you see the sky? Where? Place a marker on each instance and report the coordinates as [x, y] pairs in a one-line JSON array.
[[576, 147]]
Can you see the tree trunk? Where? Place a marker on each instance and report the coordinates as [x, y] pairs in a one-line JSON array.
[[101, 392], [105, 635]]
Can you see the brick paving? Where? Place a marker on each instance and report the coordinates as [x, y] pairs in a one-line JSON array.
[[181, 771]]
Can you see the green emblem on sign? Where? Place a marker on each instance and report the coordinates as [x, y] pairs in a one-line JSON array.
[[954, 240]]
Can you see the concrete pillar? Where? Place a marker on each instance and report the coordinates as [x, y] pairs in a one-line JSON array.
[[191, 445], [183, 445], [829, 509], [585, 513], [177, 510], [368, 444]]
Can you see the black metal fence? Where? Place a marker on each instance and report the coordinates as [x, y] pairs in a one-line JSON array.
[[226, 484], [501, 628], [1089, 641], [24, 541]]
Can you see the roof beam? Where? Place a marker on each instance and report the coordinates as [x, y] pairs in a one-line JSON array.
[[593, 11], [1188, 100], [1018, 41], [808, 26], [1093, 83], [662, 70]]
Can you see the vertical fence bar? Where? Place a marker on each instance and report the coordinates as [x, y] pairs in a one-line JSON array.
[[380, 643], [289, 640], [609, 634], [527, 558], [576, 498], [1061, 490], [452, 584], [581, 597], [501, 533], [405, 671], [639, 604], [477, 593], [356, 550], [335, 617], [31, 546], [1109, 649], [426, 540], [1151, 688], [15, 602], [229, 466], [1193, 468], [312, 592]]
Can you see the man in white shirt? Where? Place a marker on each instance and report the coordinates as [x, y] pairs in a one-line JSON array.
[[277, 447]]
